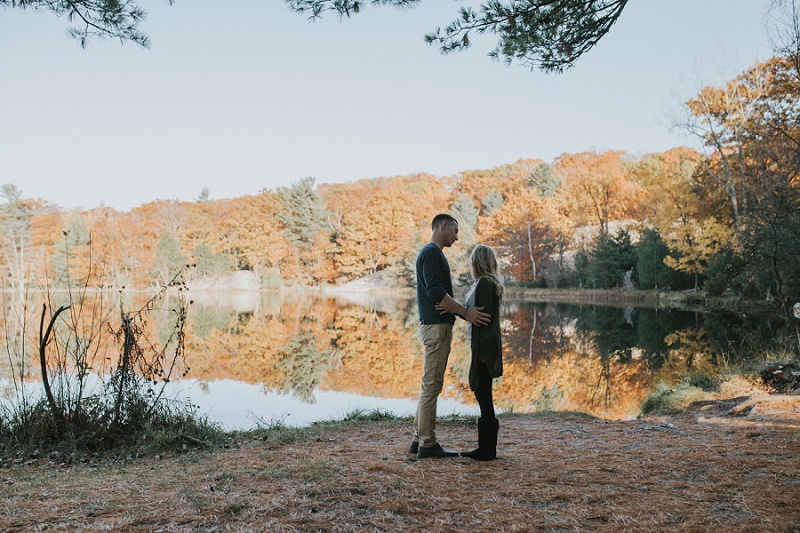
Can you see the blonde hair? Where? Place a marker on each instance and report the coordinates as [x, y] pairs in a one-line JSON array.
[[483, 264]]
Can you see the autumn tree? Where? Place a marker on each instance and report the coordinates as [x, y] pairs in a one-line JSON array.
[[352, 226], [389, 225], [249, 231], [598, 187], [771, 236], [146, 226], [379, 224], [46, 222], [674, 205], [692, 246], [751, 128], [522, 233], [492, 186], [116, 255], [718, 116], [671, 191]]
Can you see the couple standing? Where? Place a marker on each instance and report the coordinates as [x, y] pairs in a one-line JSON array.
[[437, 312]]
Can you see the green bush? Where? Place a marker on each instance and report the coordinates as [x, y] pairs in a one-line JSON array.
[[667, 399], [725, 272]]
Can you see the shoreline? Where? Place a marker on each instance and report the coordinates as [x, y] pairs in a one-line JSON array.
[[726, 465], [686, 300]]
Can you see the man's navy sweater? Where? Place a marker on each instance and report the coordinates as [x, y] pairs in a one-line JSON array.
[[433, 283]]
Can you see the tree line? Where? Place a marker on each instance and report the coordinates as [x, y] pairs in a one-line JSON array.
[[725, 217]]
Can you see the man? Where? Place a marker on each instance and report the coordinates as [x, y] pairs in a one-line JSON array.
[[435, 288]]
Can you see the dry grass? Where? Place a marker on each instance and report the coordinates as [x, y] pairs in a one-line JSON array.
[[724, 466]]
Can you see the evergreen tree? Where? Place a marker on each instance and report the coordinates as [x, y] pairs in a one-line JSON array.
[[116, 19], [651, 252], [208, 263], [302, 215], [608, 261], [583, 273], [492, 202], [545, 180], [15, 232], [303, 364], [546, 34], [302, 220], [169, 258], [204, 196], [653, 273], [727, 270]]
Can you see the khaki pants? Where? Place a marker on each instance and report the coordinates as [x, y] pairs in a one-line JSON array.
[[436, 340]]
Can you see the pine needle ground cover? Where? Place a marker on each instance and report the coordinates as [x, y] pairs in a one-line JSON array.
[[731, 465]]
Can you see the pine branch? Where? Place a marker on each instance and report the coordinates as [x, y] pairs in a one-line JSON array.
[[546, 34]]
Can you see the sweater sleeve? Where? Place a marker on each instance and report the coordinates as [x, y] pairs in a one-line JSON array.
[[485, 296]]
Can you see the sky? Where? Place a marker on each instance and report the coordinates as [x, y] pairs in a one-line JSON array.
[[244, 96]]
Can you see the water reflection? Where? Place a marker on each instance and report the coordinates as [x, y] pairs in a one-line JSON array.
[[272, 357]]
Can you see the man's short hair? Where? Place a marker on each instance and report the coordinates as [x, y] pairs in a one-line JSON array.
[[442, 219]]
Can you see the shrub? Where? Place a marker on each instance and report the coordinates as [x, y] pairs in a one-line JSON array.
[[91, 402]]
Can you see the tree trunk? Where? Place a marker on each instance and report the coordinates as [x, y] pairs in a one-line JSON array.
[[44, 336], [530, 252]]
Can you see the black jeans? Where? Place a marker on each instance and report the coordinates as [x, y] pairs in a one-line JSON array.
[[484, 393]]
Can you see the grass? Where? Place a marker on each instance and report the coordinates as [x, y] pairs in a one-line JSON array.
[[277, 432], [669, 400], [29, 429]]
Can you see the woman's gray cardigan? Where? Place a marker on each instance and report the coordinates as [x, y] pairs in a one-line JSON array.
[[486, 342]]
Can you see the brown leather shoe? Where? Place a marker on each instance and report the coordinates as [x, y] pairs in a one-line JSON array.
[[435, 452]]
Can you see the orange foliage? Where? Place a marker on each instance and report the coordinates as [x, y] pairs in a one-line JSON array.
[[598, 188], [524, 230], [379, 223], [505, 179]]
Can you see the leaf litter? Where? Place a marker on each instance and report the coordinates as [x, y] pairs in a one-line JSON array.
[[708, 468]]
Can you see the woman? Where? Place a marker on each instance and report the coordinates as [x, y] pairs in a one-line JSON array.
[[486, 345]]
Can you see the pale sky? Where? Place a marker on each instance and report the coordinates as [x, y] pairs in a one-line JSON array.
[[243, 96]]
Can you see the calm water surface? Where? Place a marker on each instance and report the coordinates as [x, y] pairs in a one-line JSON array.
[[259, 358]]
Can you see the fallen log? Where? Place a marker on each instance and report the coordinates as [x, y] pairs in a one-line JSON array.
[[783, 376]]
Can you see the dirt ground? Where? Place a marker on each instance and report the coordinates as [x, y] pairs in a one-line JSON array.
[[731, 465]]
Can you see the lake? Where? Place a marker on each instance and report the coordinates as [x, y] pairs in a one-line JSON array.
[[264, 357]]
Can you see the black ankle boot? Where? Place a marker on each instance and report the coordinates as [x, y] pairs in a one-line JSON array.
[[487, 440]]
